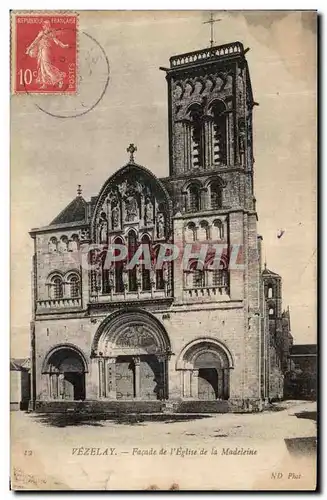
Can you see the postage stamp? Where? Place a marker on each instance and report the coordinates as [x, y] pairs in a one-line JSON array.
[[44, 53]]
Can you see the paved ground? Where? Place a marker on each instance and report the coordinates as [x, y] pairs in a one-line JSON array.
[[47, 446]]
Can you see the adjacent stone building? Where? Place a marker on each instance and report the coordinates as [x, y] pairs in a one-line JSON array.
[[301, 377], [20, 383], [187, 335]]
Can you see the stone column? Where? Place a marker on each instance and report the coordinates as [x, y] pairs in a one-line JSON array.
[[230, 143], [187, 383], [194, 384], [111, 378], [102, 384], [209, 278], [226, 372], [208, 141], [54, 385], [61, 388], [48, 382], [187, 132], [137, 377], [163, 393]]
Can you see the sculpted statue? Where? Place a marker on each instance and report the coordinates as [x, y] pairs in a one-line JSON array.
[[103, 232], [148, 211], [165, 273], [131, 207], [122, 188], [115, 215], [125, 277], [160, 226]]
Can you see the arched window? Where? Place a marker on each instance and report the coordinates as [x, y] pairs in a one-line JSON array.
[[74, 288], [63, 244], [145, 271], [219, 278], [270, 292], [105, 272], [190, 232], [57, 287], [197, 139], [132, 273], [218, 230], [218, 112], [52, 245], [203, 233], [119, 266], [215, 195], [271, 312], [160, 284], [73, 243], [194, 198], [198, 278], [195, 276]]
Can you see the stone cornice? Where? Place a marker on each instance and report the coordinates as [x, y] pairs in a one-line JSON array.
[[57, 227]]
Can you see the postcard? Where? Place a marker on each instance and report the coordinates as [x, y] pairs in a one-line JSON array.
[[163, 255]]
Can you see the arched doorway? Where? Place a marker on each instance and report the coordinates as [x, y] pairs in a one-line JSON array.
[[65, 367], [132, 348], [205, 366]]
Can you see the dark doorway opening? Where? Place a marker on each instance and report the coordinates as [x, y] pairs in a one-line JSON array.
[[208, 383], [74, 386]]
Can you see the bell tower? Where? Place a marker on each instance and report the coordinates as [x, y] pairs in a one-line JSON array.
[[210, 105]]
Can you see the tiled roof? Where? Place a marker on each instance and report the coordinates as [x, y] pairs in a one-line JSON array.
[[74, 212], [267, 272]]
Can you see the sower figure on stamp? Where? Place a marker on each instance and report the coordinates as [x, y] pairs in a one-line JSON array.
[[47, 73]]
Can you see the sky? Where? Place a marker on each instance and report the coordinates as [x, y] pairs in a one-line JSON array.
[[50, 156]]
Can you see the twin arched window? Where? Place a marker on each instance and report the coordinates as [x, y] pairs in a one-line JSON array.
[[201, 277], [198, 199], [64, 288], [207, 128]]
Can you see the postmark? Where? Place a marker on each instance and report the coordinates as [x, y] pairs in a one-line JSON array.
[[93, 83], [45, 53]]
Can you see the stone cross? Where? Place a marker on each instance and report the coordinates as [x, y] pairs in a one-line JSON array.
[[211, 21], [131, 150]]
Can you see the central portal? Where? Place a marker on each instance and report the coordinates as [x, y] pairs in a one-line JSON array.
[[139, 377], [132, 350]]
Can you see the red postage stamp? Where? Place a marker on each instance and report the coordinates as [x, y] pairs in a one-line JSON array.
[[44, 53]]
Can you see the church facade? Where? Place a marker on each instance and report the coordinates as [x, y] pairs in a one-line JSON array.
[[194, 332]]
